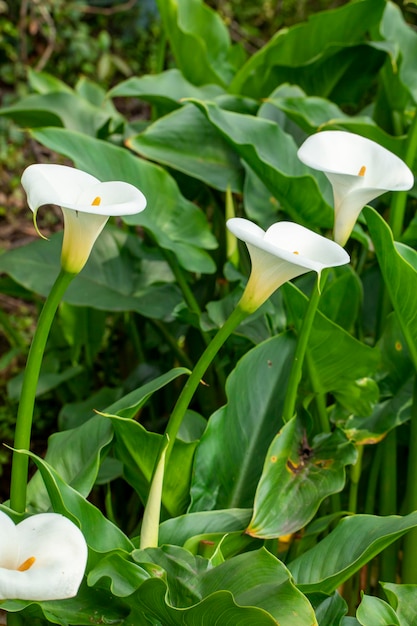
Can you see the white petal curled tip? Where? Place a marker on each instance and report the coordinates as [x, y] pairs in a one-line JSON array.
[[48, 183], [291, 242], [74, 189], [285, 251], [109, 198], [341, 152], [49, 560]]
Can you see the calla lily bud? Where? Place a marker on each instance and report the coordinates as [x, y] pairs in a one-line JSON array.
[[358, 169], [283, 252], [86, 204], [41, 558]]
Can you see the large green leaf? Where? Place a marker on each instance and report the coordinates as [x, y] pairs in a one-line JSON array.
[[352, 544], [167, 88], [199, 40], [231, 453], [126, 577], [117, 276], [180, 529], [313, 113], [138, 450], [403, 38], [100, 533], [299, 54], [226, 594], [58, 109], [176, 139], [296, 478], [175, 223], [88, 607], [398, 265], [336, 363], [272, 154], [75, 454]]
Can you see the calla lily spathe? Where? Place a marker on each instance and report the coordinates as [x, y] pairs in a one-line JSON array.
[[41, 558], [86, 204], [358, 169], [284, 251]]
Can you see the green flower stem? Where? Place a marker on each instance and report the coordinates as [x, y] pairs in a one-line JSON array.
[[320, 398], [355, 475], [374, 473], [198, 372], [297, 364], [409, 570], [150, 521], [388, 503], [191, 303], [183, 284], [28, 393]]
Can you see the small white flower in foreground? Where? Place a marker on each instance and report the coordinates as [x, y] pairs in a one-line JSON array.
[[284, 251], [86, 204], [358, 169], [41, 558]]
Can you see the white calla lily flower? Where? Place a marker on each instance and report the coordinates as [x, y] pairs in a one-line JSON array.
[[86, 204], [41, 558], [358, 169], [285, 251]]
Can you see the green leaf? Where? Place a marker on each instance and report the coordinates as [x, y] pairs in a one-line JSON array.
[[331, 610], [174, 222], [75, 455], [398, 265], [58, 109], [386, 415], [167, 88], [299, 54], [352, 544], [100, 534], [180, 529], [297, 478], [107, 282], [228, 594], [199, 41], [176, 139], [334, 304], [88, 606], [403, 38], [230, 456], [272, 154], [313, 113], [337, 362], [43, 82], [403, 599], [373, 611], [138, 450], [125, 577]]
